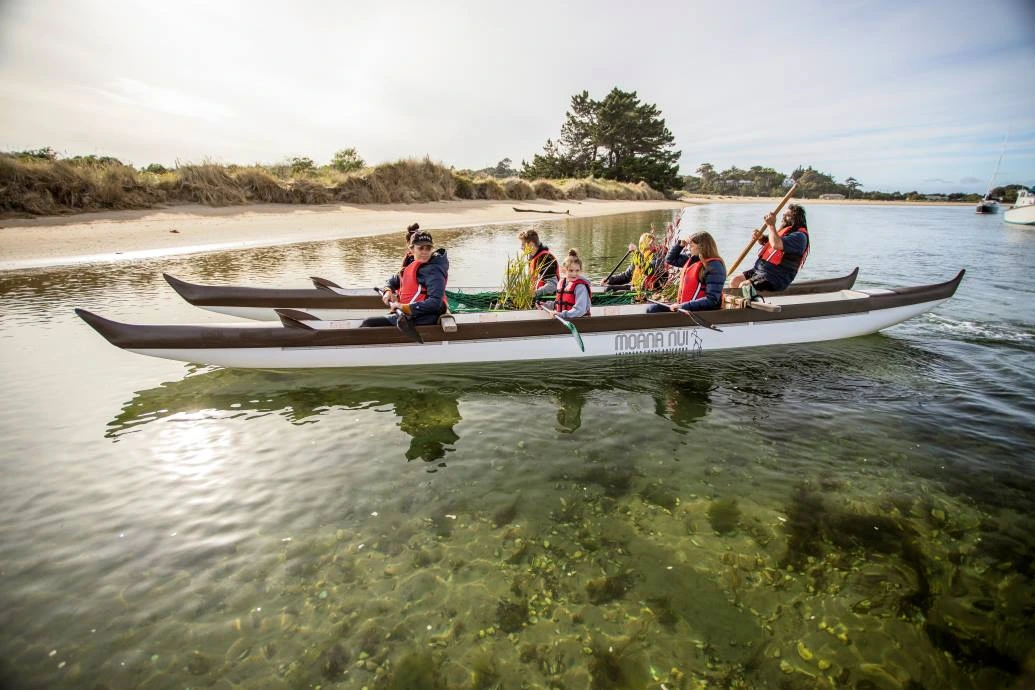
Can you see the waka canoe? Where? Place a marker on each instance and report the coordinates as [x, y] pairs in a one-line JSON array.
[[527, 335], [335, 303]]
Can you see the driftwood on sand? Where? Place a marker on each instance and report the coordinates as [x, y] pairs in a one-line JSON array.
[[536, 210]]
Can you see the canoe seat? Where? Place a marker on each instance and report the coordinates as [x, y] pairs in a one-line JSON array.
[[448, 323]]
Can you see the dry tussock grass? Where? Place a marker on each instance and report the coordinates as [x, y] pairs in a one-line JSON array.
[[46, 187], [488, 188], [516, 188]]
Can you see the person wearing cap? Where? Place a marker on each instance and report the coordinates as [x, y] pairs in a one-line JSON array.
[[541, 262], [782, 254], [418, 290]]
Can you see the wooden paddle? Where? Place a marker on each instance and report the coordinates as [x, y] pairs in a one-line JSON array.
[[567, 324], [697, 319], [620, 262], [324, 284], [402, 322], [757, 233]]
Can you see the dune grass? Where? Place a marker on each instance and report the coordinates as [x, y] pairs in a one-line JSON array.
[[34, 184]]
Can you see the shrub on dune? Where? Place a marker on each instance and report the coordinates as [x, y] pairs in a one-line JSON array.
[[545, 189], [204, 184], [488, 188], [259, 185], [516, 188]]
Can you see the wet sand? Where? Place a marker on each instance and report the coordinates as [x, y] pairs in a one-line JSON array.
[[122, 235]]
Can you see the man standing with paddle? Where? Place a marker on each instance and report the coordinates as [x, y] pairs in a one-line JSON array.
[[782, 254]]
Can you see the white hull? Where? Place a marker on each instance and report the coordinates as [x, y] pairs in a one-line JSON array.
[[1021, 215], [686, 339]]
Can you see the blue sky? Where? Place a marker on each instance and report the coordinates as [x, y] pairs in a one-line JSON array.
[[899, 95]]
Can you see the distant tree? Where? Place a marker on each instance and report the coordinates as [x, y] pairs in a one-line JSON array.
[[346, 160], [504, 169], [155, 169], [548, 164], [617, 138], [302, 165], [852, 184], [709, 179], [43, 154], [692, 184]]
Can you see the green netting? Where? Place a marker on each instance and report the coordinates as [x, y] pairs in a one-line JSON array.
[[460, 302]]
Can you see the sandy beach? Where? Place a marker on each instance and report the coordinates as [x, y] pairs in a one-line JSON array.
[[187, 229], [125, 235]]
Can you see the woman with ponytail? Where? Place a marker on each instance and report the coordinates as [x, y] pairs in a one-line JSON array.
[[703, 275]]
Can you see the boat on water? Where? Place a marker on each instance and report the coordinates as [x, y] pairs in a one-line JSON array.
[[1023, 210], [305, 341], [334, 303], [987, 206]]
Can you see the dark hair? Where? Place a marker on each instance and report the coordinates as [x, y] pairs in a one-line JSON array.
[[797, 216], [573, 257], [529, 236], [410, 229]]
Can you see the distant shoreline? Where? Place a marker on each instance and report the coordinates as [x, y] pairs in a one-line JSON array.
[[192, 229], [110, 236]]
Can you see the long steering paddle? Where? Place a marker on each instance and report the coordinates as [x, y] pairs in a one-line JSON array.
[[758, 233], [697, 319], [567, 324]]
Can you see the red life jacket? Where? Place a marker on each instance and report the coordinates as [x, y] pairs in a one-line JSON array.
[[690, 284], [410, 290], [533, 266], [779, 258], [565, 299]]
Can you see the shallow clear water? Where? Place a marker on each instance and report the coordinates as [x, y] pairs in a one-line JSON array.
[[850, 514]]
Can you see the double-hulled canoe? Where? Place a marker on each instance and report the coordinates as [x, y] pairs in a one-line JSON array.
[[334, 303], [527, 335]]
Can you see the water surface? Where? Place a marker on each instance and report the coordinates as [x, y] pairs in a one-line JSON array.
[[850, 514]]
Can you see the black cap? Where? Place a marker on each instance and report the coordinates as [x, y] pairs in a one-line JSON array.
[[421, 238]]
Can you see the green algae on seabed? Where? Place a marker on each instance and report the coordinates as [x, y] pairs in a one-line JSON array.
[[858, 587]]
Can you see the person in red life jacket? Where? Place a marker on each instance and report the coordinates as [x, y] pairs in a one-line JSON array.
[[648, 253], [573, 291], [702, 277], [419, 289], [782, 254], [411, 230], [541, 262]]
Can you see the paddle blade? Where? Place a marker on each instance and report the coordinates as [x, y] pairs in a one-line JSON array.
[[323, 283], [575, 332], [404, 324]]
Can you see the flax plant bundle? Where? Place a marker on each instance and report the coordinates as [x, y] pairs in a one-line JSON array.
[[518, 290]]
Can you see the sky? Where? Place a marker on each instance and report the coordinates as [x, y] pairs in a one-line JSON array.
[[900, 95]]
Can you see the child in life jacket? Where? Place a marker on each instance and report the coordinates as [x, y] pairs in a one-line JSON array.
[[573, 290]]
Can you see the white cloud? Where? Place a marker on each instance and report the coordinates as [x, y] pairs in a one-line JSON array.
[[891, 93]]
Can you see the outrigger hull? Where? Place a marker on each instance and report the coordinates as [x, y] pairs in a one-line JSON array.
[[336, 304], [517, 336]]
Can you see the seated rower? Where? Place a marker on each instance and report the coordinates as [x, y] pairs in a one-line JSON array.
[[702, 277], [646, 270], [417, 292], [541, 262], [573, 292], [783, 252]]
